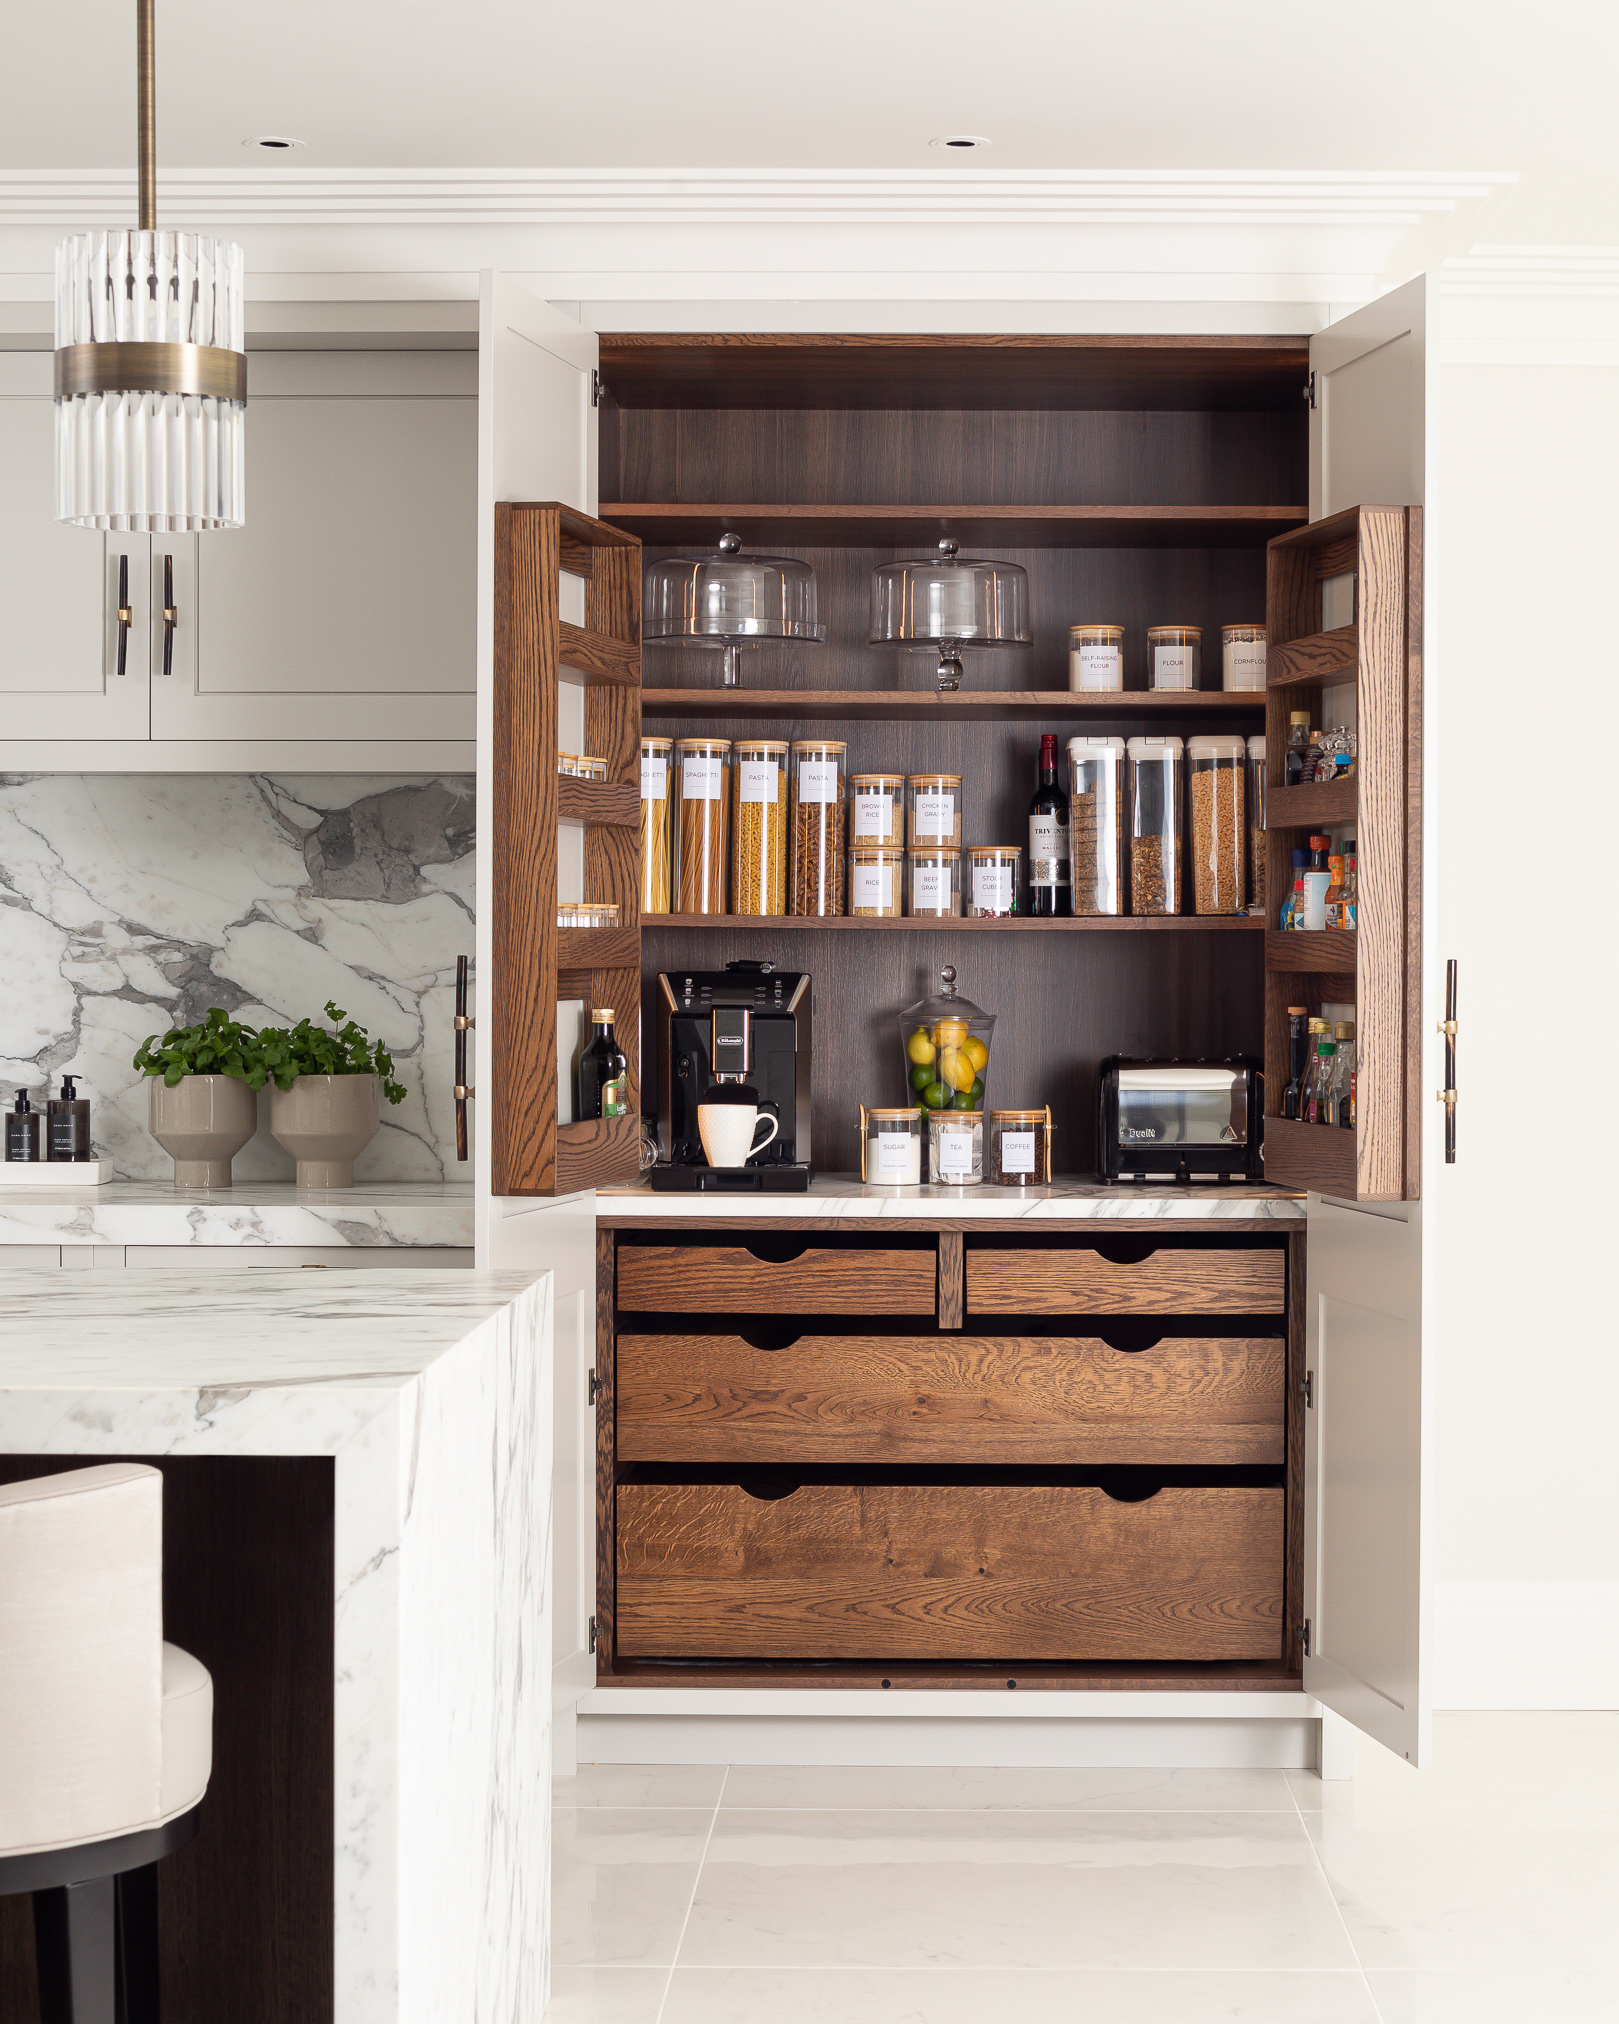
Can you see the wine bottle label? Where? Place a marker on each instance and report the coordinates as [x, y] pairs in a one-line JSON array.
[[616, 1096], [1048, 850]]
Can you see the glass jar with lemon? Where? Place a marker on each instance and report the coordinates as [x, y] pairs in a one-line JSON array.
[[947, 1041]]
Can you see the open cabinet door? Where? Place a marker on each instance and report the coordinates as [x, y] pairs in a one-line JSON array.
[[1366, 1451]]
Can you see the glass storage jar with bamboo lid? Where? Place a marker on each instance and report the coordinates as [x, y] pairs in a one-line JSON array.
[[876, 881], [702, 818], [891, 1147], [587, 914], [876, 808], [1242, 657], [1217, 786], [1155, 824], [1017, 1151], [994, 881], [935, 883], [573, 766], [816, 793], [1096, 823], [1175, 656], [956, 1148], [655, 896], [759, 826], [934, 802], [1095, 657]]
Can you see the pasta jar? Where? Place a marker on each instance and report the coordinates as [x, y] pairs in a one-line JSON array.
[[1096, 823], [876, 882], [956, 1148], [1256, 824], [1218, 770], [1019, 1148], [759, 827], [891, 1147], [817, 805], [934, 801], [994, 880], [701, 811], [877, 808], [936, 883], [1155, 825], [1095, 657], [1175, 656], [655, 824], [1242, 656]]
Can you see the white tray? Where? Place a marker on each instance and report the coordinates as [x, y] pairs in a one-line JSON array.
[[54, 1173]]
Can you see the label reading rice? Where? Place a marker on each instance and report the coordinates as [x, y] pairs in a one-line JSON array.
[[757, 779], [1017, 1152], [817, 780], [654, 779], [871, 887], [701, 778]]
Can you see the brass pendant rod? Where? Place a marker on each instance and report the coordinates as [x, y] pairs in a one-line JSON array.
[[146, 113]]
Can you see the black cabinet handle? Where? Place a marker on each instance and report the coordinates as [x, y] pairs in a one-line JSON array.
[[463, 1025], [126, 615], [171, 615]]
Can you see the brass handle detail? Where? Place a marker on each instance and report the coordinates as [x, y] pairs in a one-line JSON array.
[[1447, 1095], [171, 615], [126, 613]]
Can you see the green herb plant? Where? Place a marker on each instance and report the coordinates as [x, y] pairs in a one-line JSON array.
[[215, 1046], [312, 1050]]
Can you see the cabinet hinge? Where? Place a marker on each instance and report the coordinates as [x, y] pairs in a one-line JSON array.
[[1304, 1634], [592, 1633], [596, 388], [595, 1387], [1308, 390], [1307, 1386]]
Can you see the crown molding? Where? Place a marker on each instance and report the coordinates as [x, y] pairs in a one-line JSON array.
[[1564, 271], [1391, 199]]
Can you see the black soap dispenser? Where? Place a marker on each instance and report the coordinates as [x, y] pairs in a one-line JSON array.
[[22, 1131], [67, 1124]]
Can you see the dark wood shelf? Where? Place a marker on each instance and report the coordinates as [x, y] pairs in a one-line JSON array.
[[614, 803], [1318, 657], [1315, 806], [598, 656], [1318, 1156], [899, 706], [890, 526], [1311, 952], [906, 925], [598, 949]]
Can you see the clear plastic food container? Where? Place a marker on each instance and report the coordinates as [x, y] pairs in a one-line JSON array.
[[934, 804], [1217, 770], [655, 825], [994, 880], [818, 847], [1256, 824], [1095, 657], [935, 883], [1175, 656], [1155, 824], [956, 1148], [876, 882], [891, 1144], [876, 808], [702, 818], [1242, 656], [759, 827], [1096, 823]]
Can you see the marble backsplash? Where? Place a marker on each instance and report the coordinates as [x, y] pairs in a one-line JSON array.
[[132, 902]]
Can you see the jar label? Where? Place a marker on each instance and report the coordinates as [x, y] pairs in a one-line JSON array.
[[701, 778], [1315, 898], [1100, 667], [956, 1154], [616, 1096], [1017, 1152], [1048, 850], [898, 1156], [872, 886], [654, 779], [992, 888], [935, 814], [1172, 667], [817, 779], [756, 780], [1245, 664], [930, 887], [873, 814]]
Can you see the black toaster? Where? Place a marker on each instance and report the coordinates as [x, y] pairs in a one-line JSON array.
[[1179, 1120]]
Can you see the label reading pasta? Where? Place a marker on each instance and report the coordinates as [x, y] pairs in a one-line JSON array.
[[817, 780], [654, 779], [757, 779], [701, 779]]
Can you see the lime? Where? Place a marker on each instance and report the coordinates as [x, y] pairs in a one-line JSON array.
[[936, 1096], [977, 1091], [921, 1075], [963, 1100]]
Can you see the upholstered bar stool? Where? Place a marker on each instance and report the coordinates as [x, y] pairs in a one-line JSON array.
[[106, 1734]]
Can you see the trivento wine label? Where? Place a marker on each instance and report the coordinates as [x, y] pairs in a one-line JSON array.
[[817, 780], [1017, 1152], [930, 888], [1101, 667], [701, 779], [896, 1155], [956, 1153], [1048, 850], [935, 814], [992, 888], [872, 885], [873, 815], [1172, 667], [756, 779], [655, 778], [1245, 664]]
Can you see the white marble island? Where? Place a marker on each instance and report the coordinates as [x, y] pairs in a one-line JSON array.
[[430, 1392], [374, 1217]]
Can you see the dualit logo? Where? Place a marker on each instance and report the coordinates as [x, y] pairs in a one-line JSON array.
[[1127, 1131]]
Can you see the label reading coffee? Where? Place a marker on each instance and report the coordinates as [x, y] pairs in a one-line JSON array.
[[1017, 1152], [654, 779], [701, 778], [757, 779]]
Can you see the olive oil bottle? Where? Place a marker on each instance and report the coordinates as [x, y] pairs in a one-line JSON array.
[[603, 1089]]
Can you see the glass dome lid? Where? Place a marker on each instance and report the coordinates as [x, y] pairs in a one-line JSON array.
[[729, 600], [949, 601]]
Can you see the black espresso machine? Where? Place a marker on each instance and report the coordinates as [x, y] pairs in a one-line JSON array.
[[1178, 1120], [746, 1026]]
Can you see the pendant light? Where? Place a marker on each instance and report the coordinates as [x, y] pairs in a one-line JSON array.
[[729, 600], [151, 369], [950, 601]]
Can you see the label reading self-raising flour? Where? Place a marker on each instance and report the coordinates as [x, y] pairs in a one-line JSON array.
[[1101, 667], [1048, 850], [817, 780], [992, 888], [871, 888], [756, 779], [701, 778], [655, 779], [1017, 1152]]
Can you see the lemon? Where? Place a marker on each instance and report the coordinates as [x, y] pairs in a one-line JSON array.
[[920, 1048], [956, 1069], [976, 1052], [950, 1033]]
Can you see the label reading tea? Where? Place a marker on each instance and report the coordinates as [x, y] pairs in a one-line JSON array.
[[935, 814], [874, 815], [871, 889], [1017, 1152], [992, 888], [654, 779], [897, 1156], [817, 780], [956, 1155], [930, 889], [1172, 667], [701, 778], [1101, 667], [757, 779]]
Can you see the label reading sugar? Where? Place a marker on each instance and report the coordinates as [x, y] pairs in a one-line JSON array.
[[1245, 664], [935, 814], [757, 779], [654, 779], [1017, 1152], [1172, 667], [701, 778], [956, 1154], [873, 815], [992, 888], [930, 888], [817, 780], [1101, 667], [896, 1156], [871, 887]]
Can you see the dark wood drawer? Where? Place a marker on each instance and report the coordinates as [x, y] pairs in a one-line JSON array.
[[989, 1401], [729, 1279], [1008, 1280], [891, 1572]]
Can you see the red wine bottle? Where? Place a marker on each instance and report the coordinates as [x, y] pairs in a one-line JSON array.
[[1051, 891]]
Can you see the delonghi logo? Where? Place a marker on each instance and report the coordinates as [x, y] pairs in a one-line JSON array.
[[1131, 1131]]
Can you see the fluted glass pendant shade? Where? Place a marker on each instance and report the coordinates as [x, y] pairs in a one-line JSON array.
[[151, 382]]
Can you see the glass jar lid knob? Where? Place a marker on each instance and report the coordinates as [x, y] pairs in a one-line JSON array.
[[730, 543], [947, 978]]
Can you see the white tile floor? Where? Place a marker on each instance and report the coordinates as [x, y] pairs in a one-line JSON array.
[[1480, 1891]]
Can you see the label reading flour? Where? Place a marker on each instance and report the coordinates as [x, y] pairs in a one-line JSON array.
[[992, 888], [757, 779], [956, 1154], [817, 780], [1172, 667], [655, 779], [700, 777], [897, 1156], [871, 888], [1101, 667], [1017, 1152]]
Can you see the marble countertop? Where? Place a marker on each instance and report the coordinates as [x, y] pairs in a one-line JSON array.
[[388, 1213], [834, 1196]]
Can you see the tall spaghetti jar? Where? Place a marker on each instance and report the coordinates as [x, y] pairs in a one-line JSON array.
[[655, 824], [818, 825], [701, 809], [759, 827]]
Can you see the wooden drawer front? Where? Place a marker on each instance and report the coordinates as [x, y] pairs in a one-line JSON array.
[[1084, 1282], [725, 1279], [991, 1573], [980, 1401]]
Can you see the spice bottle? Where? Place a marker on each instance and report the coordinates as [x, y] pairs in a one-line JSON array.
[[1292, 915], [1298, 1043], [1298, 746], [67, 1124], [1316, 881], [1343, 1081], [1335, 889], [1318, 1106], [1349, 899], [22, 1131]]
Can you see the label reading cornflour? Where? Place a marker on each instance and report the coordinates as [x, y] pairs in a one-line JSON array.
[[992, 888], [701, 778], [1172, 667], [655, 779], [897, 1156], [956, 1154], [872, 886], [935, 814], [817, 780], [873, 815], [1017, 1152], [930, 888], [1101, 667], [1245, 664], [757, 779]]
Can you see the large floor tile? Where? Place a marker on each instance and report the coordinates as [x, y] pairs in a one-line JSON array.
[[1240, 1891], [640, 1785], [592, 1994], [1550, 1997], [621, 1882], [868, 1788], [989, 1995], [1482, 1764]]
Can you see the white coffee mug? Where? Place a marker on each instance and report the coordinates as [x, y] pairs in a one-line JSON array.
[[727, 1129]]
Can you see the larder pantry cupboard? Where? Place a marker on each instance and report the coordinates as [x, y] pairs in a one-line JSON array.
[[750, 1471]]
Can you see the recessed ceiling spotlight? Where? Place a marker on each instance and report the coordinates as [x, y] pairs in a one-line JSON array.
[[272, 144], [961, 141]]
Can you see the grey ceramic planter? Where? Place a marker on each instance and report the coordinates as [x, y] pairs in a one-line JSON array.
[[202, 1122], [323, 1121]]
